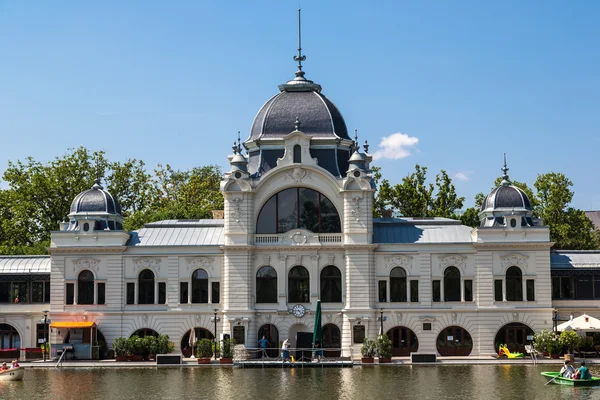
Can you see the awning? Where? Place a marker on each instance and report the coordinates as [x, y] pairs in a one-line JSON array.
[[72, 324]]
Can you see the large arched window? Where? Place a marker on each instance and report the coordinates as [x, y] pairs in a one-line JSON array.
[[298, 208], [514, 284], [331, 285], [146, 287], [298, 285], [85, 287], [398, 285], [200, 286], [451, 284], [266, 285]]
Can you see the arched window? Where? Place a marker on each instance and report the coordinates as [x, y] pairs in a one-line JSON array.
[[266, 285], [297, 154], [331, 285], [398, 285], [145, 332], [514, 284], [298, 208], [298, 285], [85, 287], [451, 284], [146, 287], [200, 286]]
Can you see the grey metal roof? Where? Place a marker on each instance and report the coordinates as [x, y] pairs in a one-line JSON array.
[[24, 264], [575, 259], [506, 196], [95, 199], [196, 232], [594, 216], [417, 230]]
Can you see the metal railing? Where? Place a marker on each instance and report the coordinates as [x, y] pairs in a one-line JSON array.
[[299, 355]]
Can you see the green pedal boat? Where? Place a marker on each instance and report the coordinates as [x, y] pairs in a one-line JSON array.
[[559, 380]]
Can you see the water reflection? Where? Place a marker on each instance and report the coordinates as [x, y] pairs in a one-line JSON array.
[[379, 383]]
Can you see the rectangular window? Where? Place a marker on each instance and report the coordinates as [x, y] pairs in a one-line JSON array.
[[239, 334], [70, 293], [101, 293], [555, 287], [468, 290], [215, 292], [414, 291], [530, 290], [130, 293], [47, 292], [567, 288], [498, 290], [20, 292], [436, 289], [382, 291], [183, 292], [596, 286], [358, 333], [426, 326], [162, 293], [4, 292], [584, 287], [37, 292]]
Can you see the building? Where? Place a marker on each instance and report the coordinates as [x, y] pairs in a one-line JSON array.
[[297, 227]]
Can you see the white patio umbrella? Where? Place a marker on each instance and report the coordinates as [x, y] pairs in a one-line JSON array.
[[583, 323], [192, 341]]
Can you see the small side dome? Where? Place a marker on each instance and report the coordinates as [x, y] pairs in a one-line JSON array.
[[95, 209], [506, 196]]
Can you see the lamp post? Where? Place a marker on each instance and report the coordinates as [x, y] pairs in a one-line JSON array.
[[215, 312], [381, 320], [45, 332], [555, 318]]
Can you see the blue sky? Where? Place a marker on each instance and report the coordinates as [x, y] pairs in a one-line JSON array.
[[173, 82]]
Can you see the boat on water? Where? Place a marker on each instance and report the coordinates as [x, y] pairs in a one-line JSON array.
[[559, 380], [13, 374]]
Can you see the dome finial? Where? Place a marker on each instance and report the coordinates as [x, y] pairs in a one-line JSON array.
[[97, 181], [299, 58], [505, 179], [297, 123], [366, 146], [355, 145], [237, 147]]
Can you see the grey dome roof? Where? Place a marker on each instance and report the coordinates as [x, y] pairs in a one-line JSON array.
[[95, 200], [318, 116], [506, 196]]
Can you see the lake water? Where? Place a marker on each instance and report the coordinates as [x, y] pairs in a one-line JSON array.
[[386, 382]]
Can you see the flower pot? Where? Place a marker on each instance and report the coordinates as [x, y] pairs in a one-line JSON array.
[[135, 357], [151, 357], [226, 360], [555, 355], [367, 360], [385, 360], [570, 357], [121, 358], [204, 360]]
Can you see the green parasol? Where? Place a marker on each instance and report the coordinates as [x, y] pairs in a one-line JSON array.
[[318, 330]]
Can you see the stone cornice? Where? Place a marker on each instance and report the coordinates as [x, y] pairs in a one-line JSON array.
[[87, 250], [515, 245]]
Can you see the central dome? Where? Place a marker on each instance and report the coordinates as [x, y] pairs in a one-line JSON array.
[[318, 116]]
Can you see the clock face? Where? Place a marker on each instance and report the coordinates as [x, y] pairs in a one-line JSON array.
[[298, 310]]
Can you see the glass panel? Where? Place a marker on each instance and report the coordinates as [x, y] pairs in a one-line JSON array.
[[436, 288], [397, 289], [70, 293], [200, 286], [555, 287], [216, 289], [183, 292], [596, 286], [468, 290], [498, 290], [451, 284], [20, 292], [309, 210], [5, 292], [287, 208], [584, 287], [266, 285], [162, 293], [331, 285], [414, 291], [298, 283], [146, 287], [530, 290], [382, 291], [85, 288], [47, 292], [514, 284], [358, 333], [37, 292], [239, 334], [101, 293], [267, 219], [330, 220], [130, 293], [566, 288], [297, 154]]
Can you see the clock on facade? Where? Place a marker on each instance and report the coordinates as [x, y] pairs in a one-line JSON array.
[[298, 310]]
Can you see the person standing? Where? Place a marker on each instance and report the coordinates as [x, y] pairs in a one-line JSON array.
[[263, 344], [285, 349]]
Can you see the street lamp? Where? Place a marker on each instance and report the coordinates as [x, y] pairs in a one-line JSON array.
[[555, 319], [45, 332], [215, 312], [381, 320]]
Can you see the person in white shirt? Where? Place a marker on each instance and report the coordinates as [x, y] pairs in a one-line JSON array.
[[567, 370], [285, 347]]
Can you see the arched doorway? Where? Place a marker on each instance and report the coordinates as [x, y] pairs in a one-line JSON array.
[[514, 336], [201, 333], [404, 341], [270, 332], [454, 341], [300, 337], [145, 332], [102, 346], [10, 341], [332, 339]]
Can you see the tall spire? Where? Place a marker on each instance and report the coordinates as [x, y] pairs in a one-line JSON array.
[[505, 179], [299, 58], [97, 184]]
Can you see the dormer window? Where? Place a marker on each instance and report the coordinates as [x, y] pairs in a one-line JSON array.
[[86, 227], [297, 154]]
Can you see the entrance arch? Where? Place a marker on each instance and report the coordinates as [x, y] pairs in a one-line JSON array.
[[145, 332], [332, 339], [271, 333], [404, 341], [10, 339], [454, 341], [201, 333], [514, 335]]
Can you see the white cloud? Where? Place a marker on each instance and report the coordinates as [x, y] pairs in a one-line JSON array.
[[463, 176], [395, 146]]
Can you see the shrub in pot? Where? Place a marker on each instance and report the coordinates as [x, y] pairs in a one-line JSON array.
[[368, 350], [570, 340], [227, 351], [150, 347], [554, 348], [384, 348], [121, 348], [136, 347], [204, 351], [541, 340]]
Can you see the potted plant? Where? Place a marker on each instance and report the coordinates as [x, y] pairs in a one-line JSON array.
[[45, 347], [554, 348], [121, 348], [368, 350], [150, 347], [570, 340], [227, 351], [540, 341], [384, 348], [136, 347], [204, 351]]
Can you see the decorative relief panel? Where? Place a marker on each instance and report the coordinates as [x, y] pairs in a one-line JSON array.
[[266, 260], [517, 260], [355, 208], [85, 263], [300, 237], [152, 263], [330, 259], [298, 174], [453, 260], [398, 261], [236, 209], [199, 262]]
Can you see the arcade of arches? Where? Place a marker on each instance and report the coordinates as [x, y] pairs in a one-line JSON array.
[[145, 332]]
